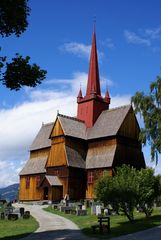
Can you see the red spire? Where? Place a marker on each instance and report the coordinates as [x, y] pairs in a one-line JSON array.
[[91, 106], [107, 97], [80, 94], [93, 85]]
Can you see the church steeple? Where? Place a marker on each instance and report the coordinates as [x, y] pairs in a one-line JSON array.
[[92, 104], [93, 85]]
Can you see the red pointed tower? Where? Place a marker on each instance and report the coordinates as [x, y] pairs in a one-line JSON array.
[[92, 104]]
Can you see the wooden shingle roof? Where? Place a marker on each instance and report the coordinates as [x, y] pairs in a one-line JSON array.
[[34, 166], [72, 127], [108, 123], [42, 139], [53, 180], [74, 158], [100, 156]]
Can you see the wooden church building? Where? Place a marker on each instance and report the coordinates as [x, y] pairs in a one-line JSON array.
[[68, 155]]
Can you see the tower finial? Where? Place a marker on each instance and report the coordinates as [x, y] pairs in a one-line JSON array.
[[107, 96], [94, 23]]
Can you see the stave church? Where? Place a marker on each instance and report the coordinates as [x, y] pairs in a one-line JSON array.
[[67, 156]]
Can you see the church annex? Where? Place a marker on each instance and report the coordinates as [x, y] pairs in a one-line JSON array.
[[68, 155]]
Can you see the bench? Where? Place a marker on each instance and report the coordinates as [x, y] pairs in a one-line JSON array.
[[103, 224]]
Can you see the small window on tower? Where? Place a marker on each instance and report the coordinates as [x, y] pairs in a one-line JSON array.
[[38, 180], [27, 182]]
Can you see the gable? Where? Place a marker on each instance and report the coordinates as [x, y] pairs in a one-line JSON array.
[[57, 155], [57, 129], [130, 127]]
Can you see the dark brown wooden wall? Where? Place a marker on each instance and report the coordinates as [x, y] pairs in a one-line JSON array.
[[96, 173]]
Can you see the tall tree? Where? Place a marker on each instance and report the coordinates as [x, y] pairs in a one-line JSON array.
[[148, 189], [149, 106], [120, 191], [18, 72]]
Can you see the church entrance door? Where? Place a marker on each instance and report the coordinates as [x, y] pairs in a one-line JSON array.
[[57, 193], [46, 193]]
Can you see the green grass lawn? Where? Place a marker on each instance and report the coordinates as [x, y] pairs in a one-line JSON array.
[[17, 229], [119, 224]]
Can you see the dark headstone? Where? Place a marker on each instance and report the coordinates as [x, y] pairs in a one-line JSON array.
[[22, 210], [12, 216], [2, 215]]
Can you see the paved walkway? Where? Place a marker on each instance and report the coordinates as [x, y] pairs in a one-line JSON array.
[[149, 234], [54, 227]]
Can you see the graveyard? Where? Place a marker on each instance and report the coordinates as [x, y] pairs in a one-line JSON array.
[[16, 222], [87, 217]]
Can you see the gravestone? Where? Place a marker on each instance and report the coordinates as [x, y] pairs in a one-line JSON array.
[[98, 210]]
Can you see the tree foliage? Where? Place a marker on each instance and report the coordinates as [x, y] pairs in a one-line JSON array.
[[13, 17], [148, 190], [149, 106], [18, 72], [27, 74], [128, 189]]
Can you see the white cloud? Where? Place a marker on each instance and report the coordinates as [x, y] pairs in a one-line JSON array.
[[132, 37], [79, 49], [78, 79], [120, 100], [20, 124], [154, 33], [149, 37], [107, 43]]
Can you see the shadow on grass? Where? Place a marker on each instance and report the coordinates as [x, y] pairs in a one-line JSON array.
[[50, 235], [124, 228]]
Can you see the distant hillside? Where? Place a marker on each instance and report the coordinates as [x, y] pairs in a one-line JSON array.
[[9, 193]]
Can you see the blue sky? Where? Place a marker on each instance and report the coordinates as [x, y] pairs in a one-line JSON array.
[[58, 39]]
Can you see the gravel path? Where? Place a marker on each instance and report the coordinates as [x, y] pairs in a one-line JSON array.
[[52, 227]]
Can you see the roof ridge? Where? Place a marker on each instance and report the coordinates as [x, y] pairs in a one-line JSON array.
[[46, 124], [69, 117], [115, 108]]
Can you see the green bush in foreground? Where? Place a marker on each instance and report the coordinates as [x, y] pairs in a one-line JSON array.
[[128, 189]]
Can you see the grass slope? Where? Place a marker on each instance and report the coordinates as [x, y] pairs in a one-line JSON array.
[[17, 229], [119, 224]]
